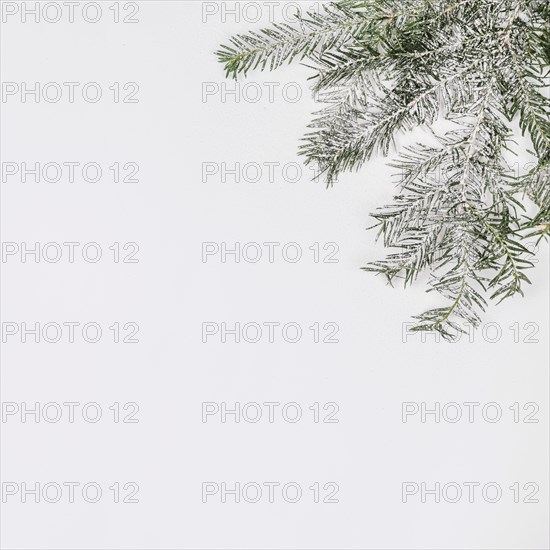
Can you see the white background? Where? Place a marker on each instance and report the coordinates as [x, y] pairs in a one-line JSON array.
[[170, 452]]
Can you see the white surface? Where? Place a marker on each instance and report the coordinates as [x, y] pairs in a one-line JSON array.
[[171, 292]]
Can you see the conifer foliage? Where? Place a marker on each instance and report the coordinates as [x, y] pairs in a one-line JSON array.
[[479, 69]]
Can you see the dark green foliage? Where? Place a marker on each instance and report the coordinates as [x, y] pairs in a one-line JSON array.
[[385, 67]]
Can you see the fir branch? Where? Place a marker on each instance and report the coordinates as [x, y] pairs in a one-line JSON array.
[[342, 143], [283, 43], [385, 67]]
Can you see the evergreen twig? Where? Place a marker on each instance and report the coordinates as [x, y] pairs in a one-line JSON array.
[[385, 67]]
